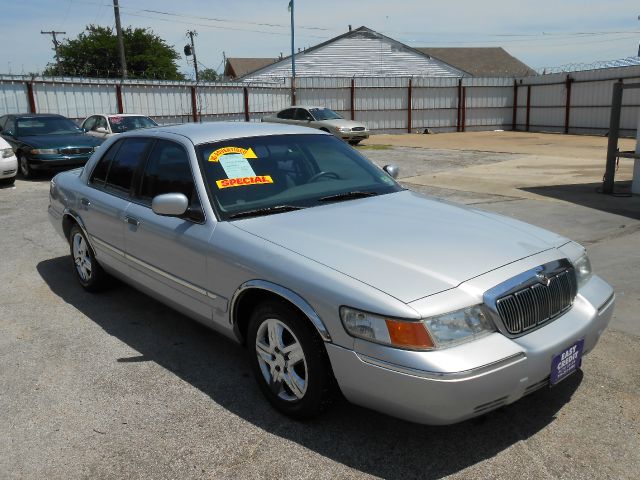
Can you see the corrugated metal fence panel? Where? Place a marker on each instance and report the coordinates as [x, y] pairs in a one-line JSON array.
[[548, 107], [267, 100], [333, 93], [434, 103], [489, 103], [157, 101], [13, 97], [220, 102], [76, 101], [381, 103]]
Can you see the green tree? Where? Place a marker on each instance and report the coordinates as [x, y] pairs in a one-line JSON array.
[[94, 53], [208, 75]]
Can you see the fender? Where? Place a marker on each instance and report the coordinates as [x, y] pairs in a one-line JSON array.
[[285, 293], [70, 213]]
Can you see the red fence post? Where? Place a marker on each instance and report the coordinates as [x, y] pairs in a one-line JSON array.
[[459, 120], [353, 99], [119, 98], [31, 97], [528, 107], [409, 105], [463, 123], [514, 119], [194, 104], [293, 91], [567, 107], [245, 91]]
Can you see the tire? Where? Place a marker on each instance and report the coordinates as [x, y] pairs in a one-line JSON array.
[[8, 181], [354, 142], [289, 361], [88, 271], [24, 167]]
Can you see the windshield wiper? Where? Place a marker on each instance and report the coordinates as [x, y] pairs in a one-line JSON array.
[[347, 196], [258, 212]]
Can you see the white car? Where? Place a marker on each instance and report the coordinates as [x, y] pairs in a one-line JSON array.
[[105, 126], [323, 119], [8, 163]]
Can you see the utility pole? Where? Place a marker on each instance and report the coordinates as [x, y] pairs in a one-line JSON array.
[[55, 41], [193, 33], [293, 43], [123, 61]]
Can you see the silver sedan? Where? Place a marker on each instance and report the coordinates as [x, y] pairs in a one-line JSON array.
[[332, 275], [323, 119]]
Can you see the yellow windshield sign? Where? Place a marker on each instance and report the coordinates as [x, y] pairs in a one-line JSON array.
[[245, 152], [239, 182]]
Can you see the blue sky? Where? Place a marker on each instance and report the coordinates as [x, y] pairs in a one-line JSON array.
[[544, 33]]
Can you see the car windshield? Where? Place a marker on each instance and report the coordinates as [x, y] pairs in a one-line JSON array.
[[324, 114], [278, 173], [124, 124], [28, 127]]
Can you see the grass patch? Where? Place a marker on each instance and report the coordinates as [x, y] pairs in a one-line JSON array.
[[374, 147]]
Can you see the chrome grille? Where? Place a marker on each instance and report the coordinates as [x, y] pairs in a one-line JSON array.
[[75, 151], [357, 129], [536, 304]]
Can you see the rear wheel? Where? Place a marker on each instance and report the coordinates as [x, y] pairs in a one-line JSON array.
[[289, 361], [88, 272], [354, 142]]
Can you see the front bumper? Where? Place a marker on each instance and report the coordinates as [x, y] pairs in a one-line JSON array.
[[57, 162], [451, 385], [352, 136], [8, 167]]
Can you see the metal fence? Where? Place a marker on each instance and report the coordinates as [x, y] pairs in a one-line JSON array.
[[577, 102]]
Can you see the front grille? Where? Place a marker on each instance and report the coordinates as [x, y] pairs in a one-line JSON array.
[[536, 304], [75, 151], [357, 129], [9, 172]]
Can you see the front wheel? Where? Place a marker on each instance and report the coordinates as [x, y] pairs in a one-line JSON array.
[[25, 167], [88, 272], [289, 361], [354, 142]]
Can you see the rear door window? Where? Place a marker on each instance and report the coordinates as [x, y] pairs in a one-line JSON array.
[[99, 174], [125, 163], [287, 114]]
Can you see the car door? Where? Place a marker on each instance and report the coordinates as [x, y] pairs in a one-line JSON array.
[[167, 254], [302, 117], [88, 125], [285, 116], [105, 198], [101, 128]]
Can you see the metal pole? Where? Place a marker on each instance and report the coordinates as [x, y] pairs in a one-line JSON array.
[[293, 43], [56, 43], [614, 130], [123, 62], [191, 34], [567, 107]]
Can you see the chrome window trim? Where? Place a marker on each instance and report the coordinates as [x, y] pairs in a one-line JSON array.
[[285, 293], [156, 270]]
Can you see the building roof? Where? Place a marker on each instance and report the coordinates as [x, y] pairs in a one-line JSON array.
[[238, 67], [359, 52], [481, 61]]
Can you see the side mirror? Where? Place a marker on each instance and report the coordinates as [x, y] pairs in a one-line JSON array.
[[392, 170], [8, 133], [170, 204], [102, 130]]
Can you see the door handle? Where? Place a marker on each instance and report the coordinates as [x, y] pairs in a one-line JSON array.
[[85, 202], [132, 221]]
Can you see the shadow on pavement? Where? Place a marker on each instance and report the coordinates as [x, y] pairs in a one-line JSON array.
[[359, 438], [587, 195]]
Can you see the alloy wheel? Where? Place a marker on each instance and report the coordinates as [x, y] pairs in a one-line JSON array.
[[81, 257]]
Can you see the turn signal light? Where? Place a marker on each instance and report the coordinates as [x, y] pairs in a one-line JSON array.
[[409, 334]]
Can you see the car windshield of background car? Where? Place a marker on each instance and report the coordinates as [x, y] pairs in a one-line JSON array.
[[124, 124], [324, 114], [29, 127], [296, 171]]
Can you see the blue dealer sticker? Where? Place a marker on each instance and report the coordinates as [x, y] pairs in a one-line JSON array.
[[566, 362]]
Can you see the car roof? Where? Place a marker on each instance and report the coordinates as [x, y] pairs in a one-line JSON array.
[[308, 107], [35, 115], [215, 131], [118, 115]]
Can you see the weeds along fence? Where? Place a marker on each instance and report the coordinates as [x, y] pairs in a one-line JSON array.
[[576, 102]]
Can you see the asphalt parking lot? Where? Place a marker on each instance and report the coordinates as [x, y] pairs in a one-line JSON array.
[[116, 385]]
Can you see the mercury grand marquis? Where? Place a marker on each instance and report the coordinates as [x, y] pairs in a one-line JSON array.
[[334, 277]]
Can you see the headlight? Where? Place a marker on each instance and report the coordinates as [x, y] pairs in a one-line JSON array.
[[344, 129], [583, 270], [434, 332], [44, 151], [459, 326], [6, 152]]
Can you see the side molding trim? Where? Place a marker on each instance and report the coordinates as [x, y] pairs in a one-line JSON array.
[[285, 293]]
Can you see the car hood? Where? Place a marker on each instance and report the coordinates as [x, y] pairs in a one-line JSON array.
[[340, 122], [61, 141], [404, 244]]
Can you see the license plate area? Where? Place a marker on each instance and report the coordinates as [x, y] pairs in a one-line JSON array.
[[566, 362]]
